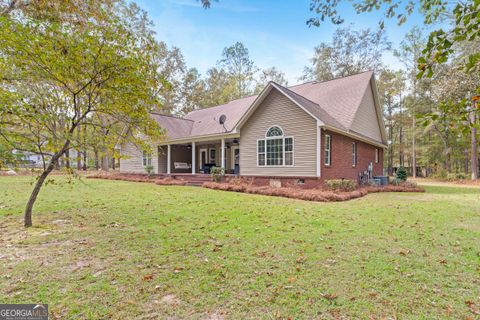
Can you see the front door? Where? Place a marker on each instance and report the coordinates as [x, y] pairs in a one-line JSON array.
[[236, 159], [203, 158]]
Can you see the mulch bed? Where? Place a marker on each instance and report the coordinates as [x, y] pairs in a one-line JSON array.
[[320, 195]]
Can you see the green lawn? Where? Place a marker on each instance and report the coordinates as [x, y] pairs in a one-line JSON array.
[[120, 250]]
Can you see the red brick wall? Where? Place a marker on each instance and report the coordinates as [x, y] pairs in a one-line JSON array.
[[341, 159]]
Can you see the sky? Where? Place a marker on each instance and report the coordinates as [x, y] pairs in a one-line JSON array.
[[274, 31]]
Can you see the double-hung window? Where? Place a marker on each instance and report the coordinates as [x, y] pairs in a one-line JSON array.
[[328, 149], [147, 159], [354, 154], [275, 149]]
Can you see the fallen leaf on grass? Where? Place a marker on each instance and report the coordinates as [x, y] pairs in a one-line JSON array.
[[329, 296], [471, 306], [148, 277], [178, 270], [448, 310]]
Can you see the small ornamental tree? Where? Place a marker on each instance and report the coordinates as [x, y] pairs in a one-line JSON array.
[[67, 69], [401, 174]]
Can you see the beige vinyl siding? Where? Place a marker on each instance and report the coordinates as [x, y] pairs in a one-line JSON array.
[[278, 110], [366, 120], [132, 159]]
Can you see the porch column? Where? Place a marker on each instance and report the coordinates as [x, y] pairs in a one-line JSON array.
[[319, 150], [169, 157], [193, 157], [223, 153]]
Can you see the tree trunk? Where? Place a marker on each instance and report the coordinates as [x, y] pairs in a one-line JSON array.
[[39, 184], [465, 168], [33, 196], [96, 160], [79, 157], [44, 163], [105, 160], [414, 122], [67, 159], [474, 159], [84, 146], [84, 160], [400, 136], [390, 138]]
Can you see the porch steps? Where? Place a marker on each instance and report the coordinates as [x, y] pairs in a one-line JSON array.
[[194, 180]]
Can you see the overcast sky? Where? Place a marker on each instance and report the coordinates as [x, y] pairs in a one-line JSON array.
[[275, 32]]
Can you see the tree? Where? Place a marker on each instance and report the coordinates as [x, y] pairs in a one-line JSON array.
[[440, 46], [171, 65], [390, 86], [401, 174], [192, 91], [348, 53], [410, 51], [65, 68], [220, 88], [270, 74], [237, 63]]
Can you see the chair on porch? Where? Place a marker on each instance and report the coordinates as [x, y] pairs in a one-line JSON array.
[[207, 166]]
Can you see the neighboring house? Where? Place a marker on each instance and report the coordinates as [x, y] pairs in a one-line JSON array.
[[331, 129]]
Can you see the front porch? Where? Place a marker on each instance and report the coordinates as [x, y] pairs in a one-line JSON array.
[[198, 157]]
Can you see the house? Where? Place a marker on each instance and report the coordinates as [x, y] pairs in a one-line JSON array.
[[316, 130]]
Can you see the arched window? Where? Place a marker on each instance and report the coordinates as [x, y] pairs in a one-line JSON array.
[[274, 131], [275, 149]]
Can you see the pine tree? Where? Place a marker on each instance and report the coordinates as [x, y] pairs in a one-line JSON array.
[[401, 174]]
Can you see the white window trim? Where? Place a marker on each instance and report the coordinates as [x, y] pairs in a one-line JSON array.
[[376, 155], [328, 160], [265, 152], [354, 154], [146, 158], [283, 137]]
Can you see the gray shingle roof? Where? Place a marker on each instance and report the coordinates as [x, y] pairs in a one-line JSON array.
[[333, 102]]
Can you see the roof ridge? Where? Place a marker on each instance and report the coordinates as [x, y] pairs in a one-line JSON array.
[[333, 79], [224, 104], [297, 94], [170, 116]]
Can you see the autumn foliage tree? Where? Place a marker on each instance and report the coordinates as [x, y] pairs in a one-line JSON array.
[[68, 64]]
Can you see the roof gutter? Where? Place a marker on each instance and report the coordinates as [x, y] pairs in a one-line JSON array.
[[200, 138]]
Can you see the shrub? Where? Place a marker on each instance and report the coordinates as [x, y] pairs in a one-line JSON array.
[[455, 176], [217, 173], [401, 174], [149, 170], [341, 185]]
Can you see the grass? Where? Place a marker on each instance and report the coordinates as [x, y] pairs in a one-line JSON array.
[[113, 249]]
